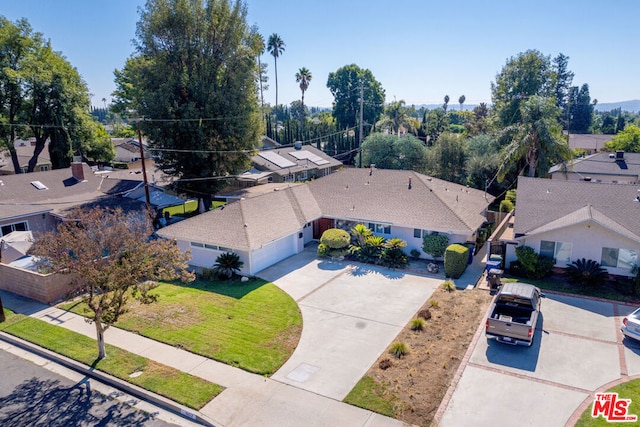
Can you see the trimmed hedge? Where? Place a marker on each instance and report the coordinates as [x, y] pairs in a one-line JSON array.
[[335, 238], [456, 258]]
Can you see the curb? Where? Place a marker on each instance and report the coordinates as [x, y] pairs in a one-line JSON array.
[[114, 382]]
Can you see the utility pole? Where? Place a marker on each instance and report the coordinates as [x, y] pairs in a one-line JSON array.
[[360, 130], [144, 168]]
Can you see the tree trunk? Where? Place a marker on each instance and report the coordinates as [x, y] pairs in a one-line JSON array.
[[102, 351], [2, 318]]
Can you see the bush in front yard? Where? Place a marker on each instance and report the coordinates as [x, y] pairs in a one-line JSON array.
[[456, 258], [335, 238], [586, 272], [435, 244]]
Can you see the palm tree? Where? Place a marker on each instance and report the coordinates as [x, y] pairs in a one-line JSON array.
[[303, 76], [536, 139], [227, 265], [446, 103], [275, 46], [258, 45], [461, 101]]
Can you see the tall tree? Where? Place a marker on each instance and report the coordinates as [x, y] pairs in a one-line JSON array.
[[303, 77], [193, 80], [390, 152], [40, 88], [528, 74], [259, 46], [110, 255], [564, 78], [461, 101], [626, 140], [446, 159], [396, 115], [345, 85], [580, 109], [446, 103], [536, 140], [275, 46]]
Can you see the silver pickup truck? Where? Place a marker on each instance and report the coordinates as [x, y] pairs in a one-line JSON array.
[[514, 314]]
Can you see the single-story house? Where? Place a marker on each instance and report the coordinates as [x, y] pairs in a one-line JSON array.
[[289, 164], [128, 149], [591, 143], [570, 220], [24, 152], [269, 227], [615, 168]]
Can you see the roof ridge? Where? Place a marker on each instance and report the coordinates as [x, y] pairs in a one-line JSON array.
[[245, 230], [439, 198]]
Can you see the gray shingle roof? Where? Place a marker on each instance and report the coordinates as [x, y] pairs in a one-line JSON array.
[[299, 165], [383, 196], [545, 204], [19, 197], [602, 164]]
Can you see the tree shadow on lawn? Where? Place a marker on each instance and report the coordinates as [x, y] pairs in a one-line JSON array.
[[231, 288]]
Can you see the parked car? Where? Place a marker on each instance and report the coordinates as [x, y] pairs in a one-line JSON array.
[[631, 325], [514, 314]]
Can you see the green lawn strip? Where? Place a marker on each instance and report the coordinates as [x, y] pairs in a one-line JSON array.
[[558, 285], [171, 383], [628, 390], [253, 325], [189, 207], [371, 395]]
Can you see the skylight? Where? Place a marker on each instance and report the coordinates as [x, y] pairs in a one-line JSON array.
[[39, 185]]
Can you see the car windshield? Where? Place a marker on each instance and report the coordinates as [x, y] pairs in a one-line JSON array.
[[635, 315]]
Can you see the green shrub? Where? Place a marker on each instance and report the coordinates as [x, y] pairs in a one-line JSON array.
[[434, 303], [372, 249], [456, 258], [586, 272], [435, 244], [120, 165], [544, 267], [414, 253], [399, 349], [207, 274], [506, 206], [511, 196], [323, 250], [527, 257], [417, 324], [335, 238], [448, 286], [392, 255]]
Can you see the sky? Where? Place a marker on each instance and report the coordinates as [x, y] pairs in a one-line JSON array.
[[419, 50]]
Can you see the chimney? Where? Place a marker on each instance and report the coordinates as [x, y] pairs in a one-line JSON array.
[[77, 171]]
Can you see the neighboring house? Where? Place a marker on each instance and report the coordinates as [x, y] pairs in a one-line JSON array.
[[272, 226], [128, 149], [289, 164], [570, 220], [589, 142], [33, 201], [24, 151], [615, 168]]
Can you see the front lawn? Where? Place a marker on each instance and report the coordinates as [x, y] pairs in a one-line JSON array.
[[628, 390], [254, 325], [178, 386]]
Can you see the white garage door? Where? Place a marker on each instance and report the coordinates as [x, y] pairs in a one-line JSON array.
[[273, 252]]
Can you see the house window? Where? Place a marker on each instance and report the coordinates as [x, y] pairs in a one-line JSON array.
[[223, 249], [197, 245], [212, 247], [417, 233], [16, 226], [620, 258], [302, 176], [380, 228], [561, 251], [289, 178]]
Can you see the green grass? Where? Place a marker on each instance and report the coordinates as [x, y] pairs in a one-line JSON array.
[[254, 325], [189, 207], [628, 390], [371, 395], [178, 386]]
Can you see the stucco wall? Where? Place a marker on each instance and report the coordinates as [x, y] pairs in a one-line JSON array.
[[587, 241], [45, 288]]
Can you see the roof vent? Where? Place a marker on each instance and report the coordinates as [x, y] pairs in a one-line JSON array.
[[619, 155], [298, 145]]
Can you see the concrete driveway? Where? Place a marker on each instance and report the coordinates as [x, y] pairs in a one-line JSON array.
[[351, 313], [577, 350]]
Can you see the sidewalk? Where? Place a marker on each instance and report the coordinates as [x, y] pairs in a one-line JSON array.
[[249, 399]]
